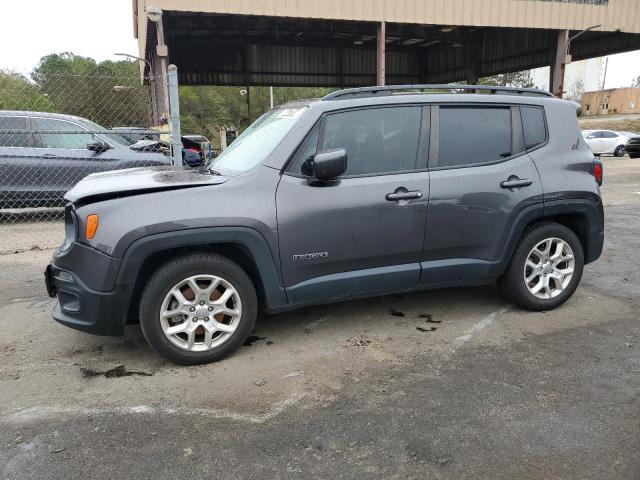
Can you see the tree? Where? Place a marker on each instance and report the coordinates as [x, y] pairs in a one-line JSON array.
[[523, 79], [576, 90], [108, 93], [18, 93]]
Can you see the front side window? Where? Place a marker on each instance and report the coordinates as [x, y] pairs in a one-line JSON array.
[[377, 140], [258, 141], [14, 132], [474, 135], [61, 134], [535, 131]]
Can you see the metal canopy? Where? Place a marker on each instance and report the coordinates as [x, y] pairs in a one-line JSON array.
[[226, 49]]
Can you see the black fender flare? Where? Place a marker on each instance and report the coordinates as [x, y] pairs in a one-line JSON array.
[[250, 239]]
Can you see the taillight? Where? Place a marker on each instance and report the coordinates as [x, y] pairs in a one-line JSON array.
[[193, 149], [598, 171]]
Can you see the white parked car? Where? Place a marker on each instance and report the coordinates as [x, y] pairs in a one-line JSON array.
[[606, 142]]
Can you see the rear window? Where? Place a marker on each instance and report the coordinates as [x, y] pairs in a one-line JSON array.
[[535, 130], [474, 135], [14, 132]]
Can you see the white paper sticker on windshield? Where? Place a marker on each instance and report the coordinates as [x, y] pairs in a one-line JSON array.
[[291, 112]]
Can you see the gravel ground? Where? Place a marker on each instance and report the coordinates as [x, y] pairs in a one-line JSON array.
[[445, 384]]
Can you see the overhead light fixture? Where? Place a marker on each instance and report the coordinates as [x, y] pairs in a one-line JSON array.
[[154, 13], [456, 45], [358, 41], [446, 29]]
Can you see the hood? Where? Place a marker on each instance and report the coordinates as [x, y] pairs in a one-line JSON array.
[[132, 181], [147, 145]]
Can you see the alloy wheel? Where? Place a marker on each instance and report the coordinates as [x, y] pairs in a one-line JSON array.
[[200, 313], [549, 268]]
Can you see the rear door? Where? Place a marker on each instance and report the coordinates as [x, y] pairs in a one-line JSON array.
[[481, 180], [65, 159], [362, 233], [19, 164]]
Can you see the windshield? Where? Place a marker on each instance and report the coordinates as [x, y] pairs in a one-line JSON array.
[[258, 141], [115, 137]]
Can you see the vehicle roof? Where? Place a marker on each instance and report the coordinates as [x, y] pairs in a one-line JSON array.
[[60, 116], [428, 98]]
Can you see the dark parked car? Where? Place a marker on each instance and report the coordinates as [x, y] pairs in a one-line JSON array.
[[633, 146], [195, 148], [359, 194], [42, 155]]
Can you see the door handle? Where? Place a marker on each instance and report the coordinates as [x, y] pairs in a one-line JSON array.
[[403, 195], [49, 155], [515, 182]]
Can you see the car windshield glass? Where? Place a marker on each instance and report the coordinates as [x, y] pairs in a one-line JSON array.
[[111, 135], [258, 141]]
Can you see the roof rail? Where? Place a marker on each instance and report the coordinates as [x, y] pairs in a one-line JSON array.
[[392, 89]]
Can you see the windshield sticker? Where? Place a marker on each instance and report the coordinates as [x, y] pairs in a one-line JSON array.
[[291, 112]]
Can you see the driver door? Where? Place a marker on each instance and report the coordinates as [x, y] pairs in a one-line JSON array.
[[353, 236]]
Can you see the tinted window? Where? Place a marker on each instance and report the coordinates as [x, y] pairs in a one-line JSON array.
[[14, 132], [535, 132], [472, 135], [609, 135], [377, 140], [62, 134]]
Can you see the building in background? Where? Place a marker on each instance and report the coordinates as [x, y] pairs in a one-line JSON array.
[[611, 101]]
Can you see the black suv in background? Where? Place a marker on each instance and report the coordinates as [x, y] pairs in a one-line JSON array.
[[42, 155]]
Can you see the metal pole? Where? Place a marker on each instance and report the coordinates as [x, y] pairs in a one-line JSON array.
[[271, 96], [174, 118], [381, 53], [162, 53]]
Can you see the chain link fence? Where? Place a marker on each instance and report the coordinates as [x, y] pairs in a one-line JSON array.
[[57, 128]]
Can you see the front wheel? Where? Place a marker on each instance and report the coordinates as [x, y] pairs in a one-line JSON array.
[[546, 268], [634, 155], [619, 151], [198, 308]]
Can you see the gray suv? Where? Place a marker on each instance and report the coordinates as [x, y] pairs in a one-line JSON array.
[[42, 155], [364, 192]]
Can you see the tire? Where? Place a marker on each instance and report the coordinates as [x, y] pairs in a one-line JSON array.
[[634, 155], [195, 345], [513, 283], [619, 151]]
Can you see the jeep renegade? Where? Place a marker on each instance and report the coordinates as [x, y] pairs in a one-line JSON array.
[[365, 192]]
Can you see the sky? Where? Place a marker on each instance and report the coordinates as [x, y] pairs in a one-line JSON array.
[[88, 28]]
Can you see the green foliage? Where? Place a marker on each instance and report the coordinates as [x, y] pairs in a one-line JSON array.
[[523, 79], [108, 93], [204, 109], [18, 93]]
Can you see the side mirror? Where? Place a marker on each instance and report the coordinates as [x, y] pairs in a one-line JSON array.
[[330, 164], [98, 146]]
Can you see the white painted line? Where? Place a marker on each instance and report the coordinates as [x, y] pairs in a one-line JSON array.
[[48, 412], [482, 324]]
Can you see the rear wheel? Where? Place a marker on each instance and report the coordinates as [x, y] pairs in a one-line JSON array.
[[619, 151], [198, 308], [546, 268]]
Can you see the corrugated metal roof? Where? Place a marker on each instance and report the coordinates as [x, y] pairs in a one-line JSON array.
[[612, 15], [332, 43]]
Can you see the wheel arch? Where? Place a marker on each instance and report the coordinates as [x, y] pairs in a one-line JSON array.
[[244, 246]]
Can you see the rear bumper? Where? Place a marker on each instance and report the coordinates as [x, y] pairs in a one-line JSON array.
[[79, 306]]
